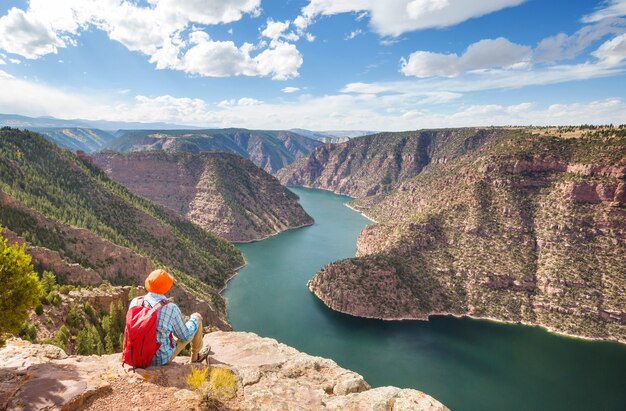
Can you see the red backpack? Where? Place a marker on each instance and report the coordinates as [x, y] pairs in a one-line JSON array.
[[140, 342]]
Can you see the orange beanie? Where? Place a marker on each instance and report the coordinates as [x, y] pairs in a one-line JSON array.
[[159, 281]]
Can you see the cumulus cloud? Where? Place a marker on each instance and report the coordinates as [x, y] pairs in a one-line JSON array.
[[27, 35], [394, 17], [160, 30], [484, 54], [276, 30]]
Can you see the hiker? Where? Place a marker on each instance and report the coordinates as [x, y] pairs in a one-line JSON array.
[[156, 331]]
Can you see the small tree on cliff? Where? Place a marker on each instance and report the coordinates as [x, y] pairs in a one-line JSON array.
[[20, 287]]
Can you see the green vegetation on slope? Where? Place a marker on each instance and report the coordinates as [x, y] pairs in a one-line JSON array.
[[69, 189]]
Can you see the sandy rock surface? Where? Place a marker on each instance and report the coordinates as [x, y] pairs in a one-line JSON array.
[[271, 376]]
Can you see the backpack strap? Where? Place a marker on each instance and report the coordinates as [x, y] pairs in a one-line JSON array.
[[141, 301]]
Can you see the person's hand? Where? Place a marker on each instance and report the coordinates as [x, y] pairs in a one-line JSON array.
[[197, 315]]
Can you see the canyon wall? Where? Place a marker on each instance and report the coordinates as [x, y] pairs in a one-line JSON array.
[[223, 193]]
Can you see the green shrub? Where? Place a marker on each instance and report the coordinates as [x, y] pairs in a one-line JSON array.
[[74, 319], [21, 288], [48, 282], [61, 337], [39, 309], [28, 332], [88, 341], [65, 289]]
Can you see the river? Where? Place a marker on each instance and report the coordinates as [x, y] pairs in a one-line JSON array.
[[466, 364]]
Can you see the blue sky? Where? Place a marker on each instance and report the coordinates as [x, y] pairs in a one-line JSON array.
[[317, 64]]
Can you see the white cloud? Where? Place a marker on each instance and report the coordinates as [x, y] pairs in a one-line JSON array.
[[358, 111], [563, 47], [24, 34], [275, 30], [248, 101], [353, 34], [427, 64], [365, 88], [394, 17], [612, 52], [290, 89], [281, 61], [244, 102], [614, 8], [2, 62], [188, 110], [158, 30], [15, 61], [484, 54]]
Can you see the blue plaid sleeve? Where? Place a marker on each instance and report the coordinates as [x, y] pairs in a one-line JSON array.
[[181, 330]]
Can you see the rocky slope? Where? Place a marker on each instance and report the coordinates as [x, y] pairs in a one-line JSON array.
[[224, 193], [497, 224], [269, 376], [71, 213], [270, 150], [362, 166]]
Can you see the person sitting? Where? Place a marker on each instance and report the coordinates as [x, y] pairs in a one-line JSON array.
[[170, 324]]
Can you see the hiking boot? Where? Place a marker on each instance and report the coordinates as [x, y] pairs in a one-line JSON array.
[[202, 356]]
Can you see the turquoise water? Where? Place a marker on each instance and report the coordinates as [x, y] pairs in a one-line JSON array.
[[466, 364]]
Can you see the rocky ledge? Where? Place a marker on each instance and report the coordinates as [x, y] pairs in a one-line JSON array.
[[270, 376]]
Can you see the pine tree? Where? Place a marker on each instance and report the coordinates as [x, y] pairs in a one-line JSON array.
[[83, 343], [61, 337], [48, 282], [74, 319], [21, 288]]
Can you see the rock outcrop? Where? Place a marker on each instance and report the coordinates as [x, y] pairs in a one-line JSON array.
[[499, 224], [270, 376], [270, 150], [224, 193], [364, 166]]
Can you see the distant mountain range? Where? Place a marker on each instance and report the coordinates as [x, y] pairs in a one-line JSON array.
[[18, 121], [269, 150]]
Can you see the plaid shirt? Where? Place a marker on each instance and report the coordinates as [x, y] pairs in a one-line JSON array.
[[169, 320]]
